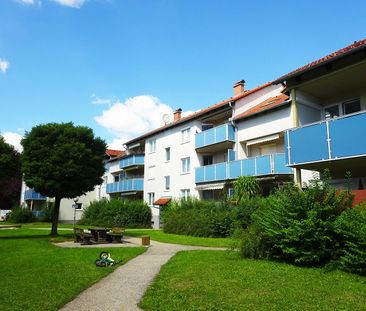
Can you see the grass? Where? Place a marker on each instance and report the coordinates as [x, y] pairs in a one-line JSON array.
[[214, 280], [36, 275], [160, 236]]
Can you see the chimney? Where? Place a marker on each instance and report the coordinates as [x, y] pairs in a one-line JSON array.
[[177, 114], [239, 87]]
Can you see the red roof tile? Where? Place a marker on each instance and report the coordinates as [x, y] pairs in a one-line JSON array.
[[162, 201], [344, 51], [113, 152], [266, 105], [200, 112]]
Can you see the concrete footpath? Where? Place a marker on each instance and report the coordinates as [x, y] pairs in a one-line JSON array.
[[123, 289]]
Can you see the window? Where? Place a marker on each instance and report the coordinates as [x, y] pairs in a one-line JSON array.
[[151, 172], [167, 154], [207, 160], [167, 182], [152, 145], [151, 198], [116, 178], [185, 193], [186, 165], [351, 106], [331, 112], [186, 135], [206, 127]]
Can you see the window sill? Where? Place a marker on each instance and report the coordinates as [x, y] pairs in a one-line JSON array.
[[185, 142], [185, 173]]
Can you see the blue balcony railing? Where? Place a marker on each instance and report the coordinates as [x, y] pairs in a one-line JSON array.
[[333, 139], [30, 194], [132, 160], [215, 135], [257, 166], [134, 184]]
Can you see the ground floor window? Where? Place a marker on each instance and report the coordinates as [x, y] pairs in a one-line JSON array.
[[151, 198], [185, 193]]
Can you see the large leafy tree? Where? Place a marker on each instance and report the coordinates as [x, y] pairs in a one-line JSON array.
[[10, 175], [62, 161]]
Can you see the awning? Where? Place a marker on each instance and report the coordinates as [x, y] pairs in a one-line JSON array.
[[210, 186], [128, 193], [163, 201], [262, 139]]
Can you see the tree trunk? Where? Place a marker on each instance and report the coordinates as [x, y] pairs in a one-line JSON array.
[[56, 211]]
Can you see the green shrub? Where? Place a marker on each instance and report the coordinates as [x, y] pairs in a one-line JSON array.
[[242, 213], [299, 226], [117, 213], [198, 218], [21, 215], [246, 187], [47, 212], [351, 226]]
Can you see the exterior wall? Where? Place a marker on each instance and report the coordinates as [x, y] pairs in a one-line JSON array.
[[308, 114], [256, 98], [66, 210], [171, 139], [265, 124]]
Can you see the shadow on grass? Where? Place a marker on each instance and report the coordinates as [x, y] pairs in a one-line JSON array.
[[41, 236]]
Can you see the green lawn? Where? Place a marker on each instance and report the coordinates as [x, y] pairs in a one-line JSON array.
[[214, 280], [36, 275], [160, 236]]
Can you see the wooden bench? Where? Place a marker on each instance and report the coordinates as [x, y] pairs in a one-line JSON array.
[[116, 235], [82, 237]]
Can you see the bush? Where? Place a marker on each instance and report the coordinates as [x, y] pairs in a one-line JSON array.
[[47, 212], [351, 226], [21, 215], [117, 213], [299, 226], [198, 218], [246, 187]]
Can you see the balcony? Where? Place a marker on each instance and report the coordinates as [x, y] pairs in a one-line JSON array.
[[273, 164], [134, 184], [338, 144], [132, 160], [215, 139], [30, 194]]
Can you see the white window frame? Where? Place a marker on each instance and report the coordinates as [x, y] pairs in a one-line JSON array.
[[167, 183], [186, 135], [151, 198], [167, 152], [185, 193], [151, 169], [152, 146], [186, 165]]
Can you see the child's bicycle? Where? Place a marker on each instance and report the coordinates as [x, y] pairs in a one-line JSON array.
[[105, 260]]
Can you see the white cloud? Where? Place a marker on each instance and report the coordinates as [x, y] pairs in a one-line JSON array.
[[100, 101], [13, 139], [134, 117], [71, 3], [4, 65]]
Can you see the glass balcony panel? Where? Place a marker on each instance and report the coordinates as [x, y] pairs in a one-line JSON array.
[[264, 165], [348, 136], [234, 169], [248, 167]]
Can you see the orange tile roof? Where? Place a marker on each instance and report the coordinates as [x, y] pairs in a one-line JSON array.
[[113, 152], [162, 201], [200, 112], [266, 105], [342, 52]]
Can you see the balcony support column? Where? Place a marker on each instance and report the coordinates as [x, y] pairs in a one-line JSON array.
[[294, 112], [295, 123]]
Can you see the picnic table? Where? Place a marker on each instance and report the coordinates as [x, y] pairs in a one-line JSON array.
[[99, 234]]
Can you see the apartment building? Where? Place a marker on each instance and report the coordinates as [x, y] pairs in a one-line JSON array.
[[329, 116]]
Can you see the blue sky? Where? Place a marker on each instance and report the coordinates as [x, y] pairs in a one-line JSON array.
[[117, 66]]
